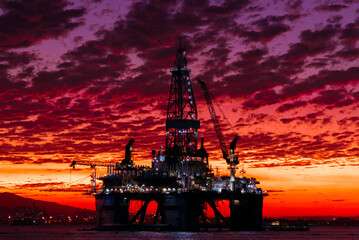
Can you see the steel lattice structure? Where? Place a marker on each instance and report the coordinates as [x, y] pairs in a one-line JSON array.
[[181, 124]]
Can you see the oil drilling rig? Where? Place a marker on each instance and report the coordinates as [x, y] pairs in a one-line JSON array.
[[180, 183]]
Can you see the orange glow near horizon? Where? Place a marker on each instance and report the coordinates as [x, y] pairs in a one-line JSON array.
[[292, 191]]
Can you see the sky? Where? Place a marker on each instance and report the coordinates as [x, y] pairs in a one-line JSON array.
[[78, 79]]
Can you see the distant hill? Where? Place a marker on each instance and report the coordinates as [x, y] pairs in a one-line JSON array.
[[11, 203]]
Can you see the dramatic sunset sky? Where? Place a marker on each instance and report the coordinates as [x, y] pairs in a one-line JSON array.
[[78, 79]]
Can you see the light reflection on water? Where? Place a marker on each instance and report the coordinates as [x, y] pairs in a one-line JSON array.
[[71, 232]]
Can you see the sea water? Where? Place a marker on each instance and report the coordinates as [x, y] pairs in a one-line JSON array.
[[42, 232]]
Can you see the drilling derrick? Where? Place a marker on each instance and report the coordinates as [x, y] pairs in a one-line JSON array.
[[181, 123]]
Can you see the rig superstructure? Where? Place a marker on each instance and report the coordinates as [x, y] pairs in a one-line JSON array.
[[179, 184]]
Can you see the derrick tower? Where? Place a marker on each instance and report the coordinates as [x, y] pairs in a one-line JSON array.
[[181, 124]]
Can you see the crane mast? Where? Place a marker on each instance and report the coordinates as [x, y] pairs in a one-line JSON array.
[[215, 121], [230, 158]]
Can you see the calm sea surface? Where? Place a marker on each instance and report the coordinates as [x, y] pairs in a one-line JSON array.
[[71, 232]]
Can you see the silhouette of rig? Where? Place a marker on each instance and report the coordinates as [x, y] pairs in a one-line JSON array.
[[179, 185]]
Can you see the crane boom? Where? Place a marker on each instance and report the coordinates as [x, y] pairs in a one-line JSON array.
[[110, 165], [231, 159], [91, 163], [215, 121]]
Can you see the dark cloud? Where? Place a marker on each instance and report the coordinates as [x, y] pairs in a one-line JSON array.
[[351, 32], [38, 185], [348, 53], [349, 120], [312, 43], [247, 84], [356, 95], [320, 80], [298, 163], [300, 51], [260, 99], [290, 68], [289, 106], [329, 97], [335, 19], [25, 23], [344, 135], [218, 55], [311, 118], [275, 191], [317, 37], [11, 158], [254, 55], [15, 59], [53, 186], [266, 33], [330, 8], [267, 28], [253, 119], [295, 5]]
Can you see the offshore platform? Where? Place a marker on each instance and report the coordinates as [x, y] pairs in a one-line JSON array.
[[179, 185]]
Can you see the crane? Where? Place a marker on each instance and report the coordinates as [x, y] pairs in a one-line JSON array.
[[93, 165], [230, 158], [110, 165], [128, 150]]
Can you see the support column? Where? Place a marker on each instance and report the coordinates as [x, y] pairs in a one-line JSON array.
[[246, 213], [121, 210]]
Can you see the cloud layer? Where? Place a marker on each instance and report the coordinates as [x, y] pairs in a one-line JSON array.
[[286, 75]]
